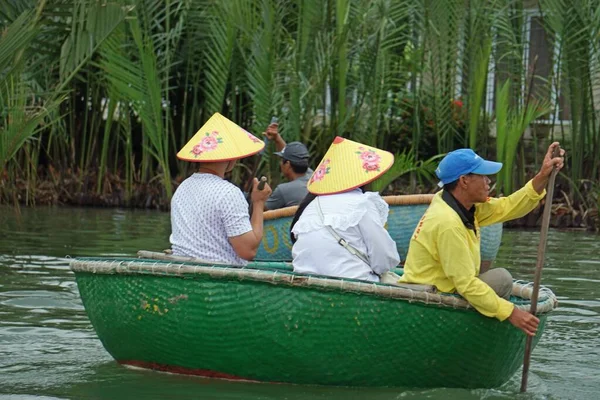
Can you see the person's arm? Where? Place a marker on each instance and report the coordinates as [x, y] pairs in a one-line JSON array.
[[455, 257], [502, 209], [381, 248], [523, 200], [454, 252], [246, 245], [272, 133], [276, 200]]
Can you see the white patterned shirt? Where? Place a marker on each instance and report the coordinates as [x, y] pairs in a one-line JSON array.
[[206, 210], [357, 217]]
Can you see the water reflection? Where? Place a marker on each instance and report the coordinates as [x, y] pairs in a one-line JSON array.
[[48, 349]]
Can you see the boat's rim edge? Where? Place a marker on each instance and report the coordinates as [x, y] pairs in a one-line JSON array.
[[546, 303], [394, 200]]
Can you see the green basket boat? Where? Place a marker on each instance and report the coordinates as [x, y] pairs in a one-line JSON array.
[[405, 213], [265, 323]]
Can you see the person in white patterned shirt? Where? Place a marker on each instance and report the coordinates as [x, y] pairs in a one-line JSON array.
[[209, 215]]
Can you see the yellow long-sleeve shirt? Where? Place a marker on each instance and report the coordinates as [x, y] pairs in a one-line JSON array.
[[445, 253]]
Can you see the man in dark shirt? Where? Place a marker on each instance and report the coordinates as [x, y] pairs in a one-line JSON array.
[[294, 166]]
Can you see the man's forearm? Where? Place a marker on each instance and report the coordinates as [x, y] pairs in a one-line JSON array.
[[539, 183], [279, 143], [257, 220]]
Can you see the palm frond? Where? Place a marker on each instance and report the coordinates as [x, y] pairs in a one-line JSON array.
[[92, 24], [511, 124], [300, 63], [17, 37], [21, 119], [477, 90], [262, 66], [139, 83], [218, 56], [445, 20], [405, 163]]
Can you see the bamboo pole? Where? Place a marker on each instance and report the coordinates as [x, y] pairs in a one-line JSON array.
[[539, 266]]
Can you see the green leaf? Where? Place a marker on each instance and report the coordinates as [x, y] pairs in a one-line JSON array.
[[405, 163]]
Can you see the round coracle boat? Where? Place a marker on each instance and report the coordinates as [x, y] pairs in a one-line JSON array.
[[405, 213], [265, 323]]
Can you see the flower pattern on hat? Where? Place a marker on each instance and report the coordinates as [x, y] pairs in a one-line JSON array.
[[220, 139], [252, 137], [208, 143], [320, 172], [370, 159]]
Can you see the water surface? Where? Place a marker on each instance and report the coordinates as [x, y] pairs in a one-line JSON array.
[[49, 350]]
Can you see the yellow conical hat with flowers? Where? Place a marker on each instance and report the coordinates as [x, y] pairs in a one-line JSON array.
[[220, 139], [348, 165]]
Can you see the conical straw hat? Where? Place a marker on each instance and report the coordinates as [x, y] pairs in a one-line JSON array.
[[220, 139], [348, 165]]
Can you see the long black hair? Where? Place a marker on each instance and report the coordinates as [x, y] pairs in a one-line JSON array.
[[303, 204]]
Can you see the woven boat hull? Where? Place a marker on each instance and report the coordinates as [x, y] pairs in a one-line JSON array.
[[402, 221], [275, 326]]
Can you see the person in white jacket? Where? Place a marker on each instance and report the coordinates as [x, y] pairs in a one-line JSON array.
[[339, 230]]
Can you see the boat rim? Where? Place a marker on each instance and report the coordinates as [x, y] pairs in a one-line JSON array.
[[395, 200], [260, 272]]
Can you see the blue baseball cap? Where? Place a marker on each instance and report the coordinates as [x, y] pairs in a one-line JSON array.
[[461, 162]]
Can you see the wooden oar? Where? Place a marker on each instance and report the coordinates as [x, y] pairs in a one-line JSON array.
[[539, 265]]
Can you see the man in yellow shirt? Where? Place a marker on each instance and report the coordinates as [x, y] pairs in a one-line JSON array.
[[445, 248]]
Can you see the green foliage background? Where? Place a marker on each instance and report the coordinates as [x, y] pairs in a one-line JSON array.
[[106, 91]]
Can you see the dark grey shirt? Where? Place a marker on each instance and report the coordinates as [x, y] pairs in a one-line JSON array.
[[289, 193]]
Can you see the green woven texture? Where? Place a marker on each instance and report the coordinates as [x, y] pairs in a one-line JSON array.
[[402, 221], [280, 333]]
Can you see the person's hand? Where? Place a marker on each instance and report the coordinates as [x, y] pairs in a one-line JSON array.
[[525, 321], [549, 162], [260, 195], [540, 180], [272, 131]]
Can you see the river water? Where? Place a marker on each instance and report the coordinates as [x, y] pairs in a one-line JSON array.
[[49, 350]]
